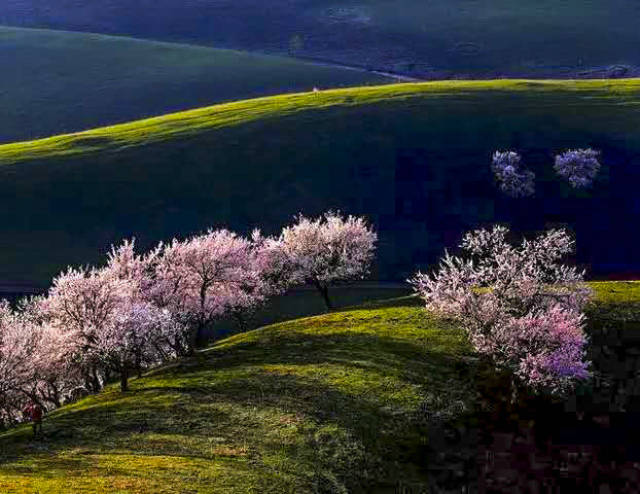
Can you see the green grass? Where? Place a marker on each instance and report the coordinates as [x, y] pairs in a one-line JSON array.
[[64, 199], [323, 404], [192, 123], [617, 301], [55, 82], [350, 401]]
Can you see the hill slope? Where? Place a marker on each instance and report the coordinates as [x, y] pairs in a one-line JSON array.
[[436, 38], [360, 400], [412, 157], [323, 404], [55, 82]]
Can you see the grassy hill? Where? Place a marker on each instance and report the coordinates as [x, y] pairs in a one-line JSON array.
[[322, 404], [413, 157], [436, 38], [55, 82], [358, 400]]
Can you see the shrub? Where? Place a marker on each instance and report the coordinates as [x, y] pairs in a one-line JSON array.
[[579, 166], [510, 175]]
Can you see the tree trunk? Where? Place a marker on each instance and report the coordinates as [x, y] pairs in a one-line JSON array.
[[124, 379], [324, 291], [54, 396], [195, 338], [242, 323], [139, 366], [95, 379], [514, 391]]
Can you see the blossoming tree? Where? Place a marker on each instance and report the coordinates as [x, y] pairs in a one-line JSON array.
[[197, 279], [519, 305], [579, 167], [18, 345], [512, 178], [328, 250]]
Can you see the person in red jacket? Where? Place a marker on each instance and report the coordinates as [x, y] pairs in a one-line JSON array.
[[34, 413]]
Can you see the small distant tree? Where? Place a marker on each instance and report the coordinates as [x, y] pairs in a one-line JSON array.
[[579, 167], [296, 44], [510, 175], [519, 305], [328, 250]]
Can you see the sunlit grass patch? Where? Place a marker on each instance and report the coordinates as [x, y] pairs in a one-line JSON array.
[[328, 401]]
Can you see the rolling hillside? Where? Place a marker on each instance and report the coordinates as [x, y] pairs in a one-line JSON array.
[[55, 82], [432, 39], [324, 404], [414, 158], [371, 399]]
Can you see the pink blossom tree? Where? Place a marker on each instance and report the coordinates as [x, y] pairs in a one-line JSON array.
[[328, 250], [271, 274], [198, 279], [60, 379], [136, 333], [519, 305], [83, 304], [18, 344]]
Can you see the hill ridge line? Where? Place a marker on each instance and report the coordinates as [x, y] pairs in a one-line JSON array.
[[195, 121]]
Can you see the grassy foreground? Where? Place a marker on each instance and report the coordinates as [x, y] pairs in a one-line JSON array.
[[56, 81], [343, 402], [322, 404], [412, 157]]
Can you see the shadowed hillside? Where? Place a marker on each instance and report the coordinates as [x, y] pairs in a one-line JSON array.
[[432, 39], [414, 158]]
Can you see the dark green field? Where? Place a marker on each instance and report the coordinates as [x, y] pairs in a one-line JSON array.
[[55, 82], [425, 38], [413, 158]]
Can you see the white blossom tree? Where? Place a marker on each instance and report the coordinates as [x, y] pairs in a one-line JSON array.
[[519, 305], [197, 280], [328, 250]]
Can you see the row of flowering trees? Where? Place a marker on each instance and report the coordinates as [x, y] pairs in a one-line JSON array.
[[579, 167], [97, 324]]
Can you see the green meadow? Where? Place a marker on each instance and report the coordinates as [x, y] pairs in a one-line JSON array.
[[55, 81], [353, 401]]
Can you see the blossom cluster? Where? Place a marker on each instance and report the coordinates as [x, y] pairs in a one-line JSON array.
[[519, 305], [512, 178], [579, 167], [136, 311], [328, 250]]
